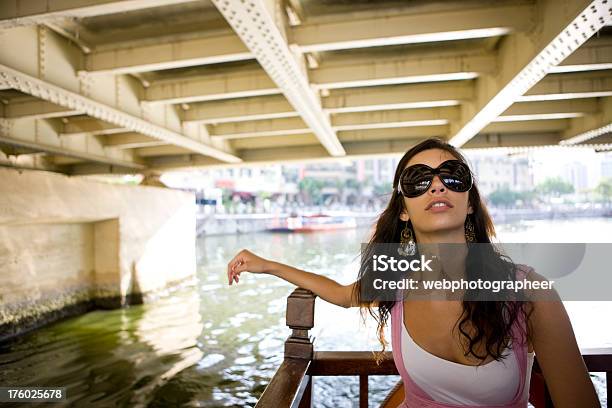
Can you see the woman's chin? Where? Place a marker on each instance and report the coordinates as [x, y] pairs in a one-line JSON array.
[[442, 226]]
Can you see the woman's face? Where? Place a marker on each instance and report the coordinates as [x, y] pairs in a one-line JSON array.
[[418, 209]]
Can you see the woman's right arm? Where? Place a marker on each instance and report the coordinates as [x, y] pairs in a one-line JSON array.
[[325, 288]]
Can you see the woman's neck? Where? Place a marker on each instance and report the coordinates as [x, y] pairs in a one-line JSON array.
[[456, 236], [449, 258]]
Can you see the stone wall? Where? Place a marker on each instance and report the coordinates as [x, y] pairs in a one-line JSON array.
[[68, 245]]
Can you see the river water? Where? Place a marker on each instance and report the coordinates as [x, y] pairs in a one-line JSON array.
[[214, 345]]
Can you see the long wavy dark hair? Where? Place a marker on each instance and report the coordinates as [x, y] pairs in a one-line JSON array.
[[491, 321]]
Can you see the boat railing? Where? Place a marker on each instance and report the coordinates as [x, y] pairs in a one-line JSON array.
[[292, 384]]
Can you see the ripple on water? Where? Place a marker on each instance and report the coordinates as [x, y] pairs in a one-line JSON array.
[[210, 360]]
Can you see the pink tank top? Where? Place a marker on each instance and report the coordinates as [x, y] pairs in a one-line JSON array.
[[415, 397]]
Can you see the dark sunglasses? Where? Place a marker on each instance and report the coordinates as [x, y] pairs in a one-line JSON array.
[[416, 180]]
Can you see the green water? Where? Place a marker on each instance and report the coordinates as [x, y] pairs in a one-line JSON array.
[[212, 345]]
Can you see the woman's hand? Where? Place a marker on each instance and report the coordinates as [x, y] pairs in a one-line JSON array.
[[327, 289], [245, 261]]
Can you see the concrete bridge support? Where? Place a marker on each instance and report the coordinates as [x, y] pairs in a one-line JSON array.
[[68, 245]]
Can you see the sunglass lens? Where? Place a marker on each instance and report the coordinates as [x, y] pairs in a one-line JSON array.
[[456, 176], [416, 180], [418, 187]]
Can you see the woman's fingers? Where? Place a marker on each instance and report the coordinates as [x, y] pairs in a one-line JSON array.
[[236, 275], [243, 261], [230, 270], [235, 267], [231, 266]]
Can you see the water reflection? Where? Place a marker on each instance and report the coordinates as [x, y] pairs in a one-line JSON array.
[[109, 358]]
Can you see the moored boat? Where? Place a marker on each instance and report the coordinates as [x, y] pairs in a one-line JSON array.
[[311, 223]]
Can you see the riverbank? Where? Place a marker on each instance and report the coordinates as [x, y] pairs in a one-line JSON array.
[[223, 224]]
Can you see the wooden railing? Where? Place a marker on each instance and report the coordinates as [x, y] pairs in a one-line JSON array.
[[291, 385]]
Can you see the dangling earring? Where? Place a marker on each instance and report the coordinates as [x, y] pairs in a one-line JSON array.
[[470, 235], [407, 245]]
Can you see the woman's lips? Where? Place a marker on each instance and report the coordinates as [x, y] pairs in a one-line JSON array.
[[435, 204], [436, 209]]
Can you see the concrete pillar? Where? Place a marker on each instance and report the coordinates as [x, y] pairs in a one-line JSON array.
[[68, 245]]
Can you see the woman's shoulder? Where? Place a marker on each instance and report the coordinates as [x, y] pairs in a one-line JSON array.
[[523, 271], [540, 288], [527, 272]]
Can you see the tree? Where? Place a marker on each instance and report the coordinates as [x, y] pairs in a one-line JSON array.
[[555, 186], [504, 197], [383, 189], [527, 197], [352, 184], [312, 189], [604, 189]]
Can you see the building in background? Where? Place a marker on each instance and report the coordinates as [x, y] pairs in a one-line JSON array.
[[499, 172], [576, 173]]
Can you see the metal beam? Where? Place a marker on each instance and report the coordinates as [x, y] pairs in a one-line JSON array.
[[239, 110], [594, 55], [511, 140], [255, 25], [555, 106], [395, 118], [398, 97], [341, 122], [544, 110], [88, 126], [272, 141], [350, 136], [60, 160], [64, 151], [35, 109], [405, 70], [380, 147], [394, 133], [15, 13], [528, 126], [167, 150], [10, 156], [353, 149], [159, 56], [570, 86], [202, 88], [83, 169], [259, 128], [604, 139], [183, 162], [360, 149], [463, 23], [60, 96], [524, 60], [130, 140], [364, 143], [590, 126]]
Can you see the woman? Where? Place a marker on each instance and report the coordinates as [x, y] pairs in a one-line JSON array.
[[458, 353]]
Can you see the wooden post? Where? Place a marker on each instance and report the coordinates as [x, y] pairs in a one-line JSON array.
[[300, 319], [363, 391], [300, 345], [306, 400], [609, 386]]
